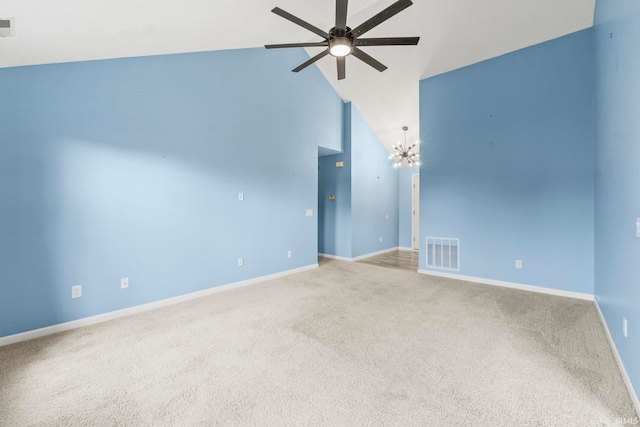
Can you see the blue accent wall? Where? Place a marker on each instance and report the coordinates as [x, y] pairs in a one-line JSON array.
[[617, 83], [132, 168], [374, 191], [508, 164], [366, 191], [404, 206]]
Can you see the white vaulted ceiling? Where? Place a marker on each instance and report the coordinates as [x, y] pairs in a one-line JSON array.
[[453, 34]]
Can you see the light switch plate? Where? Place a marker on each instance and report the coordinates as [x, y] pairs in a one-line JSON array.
[[124, 283], [309, 212]]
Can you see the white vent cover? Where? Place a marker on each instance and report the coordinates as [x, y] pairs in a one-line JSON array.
[[443, 253], [7, 27]]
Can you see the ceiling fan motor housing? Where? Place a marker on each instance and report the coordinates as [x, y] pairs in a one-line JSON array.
[[339, 37]]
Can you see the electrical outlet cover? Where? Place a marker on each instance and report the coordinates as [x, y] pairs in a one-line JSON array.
[[76, 291]]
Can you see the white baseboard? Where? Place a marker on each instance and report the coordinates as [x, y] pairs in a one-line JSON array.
[[341, 258], [384, 251], [623, 371], [358, 258], [530, 288], [61, 327], [404, 248]]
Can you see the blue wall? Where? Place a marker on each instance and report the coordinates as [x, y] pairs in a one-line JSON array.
[[132, 167], [617, 267], [334, 216], [366, 191], [374, 191], [404, 206], [509, 164]]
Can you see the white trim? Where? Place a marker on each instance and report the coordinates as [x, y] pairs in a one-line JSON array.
[[623, 371], [384, 251], [530, 288], [403, 248], [341, 258], [358, 258], [61, 327]]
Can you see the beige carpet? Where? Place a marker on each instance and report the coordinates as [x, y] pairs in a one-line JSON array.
[[343, 345]]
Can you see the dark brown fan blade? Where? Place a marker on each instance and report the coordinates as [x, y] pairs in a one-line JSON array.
[[378, 19], [368, 59], [341, 67], [278, 46], [311, 61], [303, 24], [388, 41], [341, 14]]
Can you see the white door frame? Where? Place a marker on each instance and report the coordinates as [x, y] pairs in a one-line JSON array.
[[415, 210]]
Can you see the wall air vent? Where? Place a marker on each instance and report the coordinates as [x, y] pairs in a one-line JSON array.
[[443, 253], [7, 27]]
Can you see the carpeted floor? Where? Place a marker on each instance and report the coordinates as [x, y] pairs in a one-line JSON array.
[[343, 345]]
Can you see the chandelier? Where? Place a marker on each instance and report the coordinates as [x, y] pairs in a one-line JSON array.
[[403, 153]]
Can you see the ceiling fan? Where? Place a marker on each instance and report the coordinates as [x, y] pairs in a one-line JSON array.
[[342, 41]]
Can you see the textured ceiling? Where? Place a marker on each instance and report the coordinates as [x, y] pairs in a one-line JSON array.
[[454, 33]]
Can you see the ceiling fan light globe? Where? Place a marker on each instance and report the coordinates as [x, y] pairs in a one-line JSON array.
[[340, 45], [340, 50]]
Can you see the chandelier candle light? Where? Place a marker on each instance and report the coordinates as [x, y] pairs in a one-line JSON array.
[[404, 152]]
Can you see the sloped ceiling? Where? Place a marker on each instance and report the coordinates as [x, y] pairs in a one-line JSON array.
[[453, 34]]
